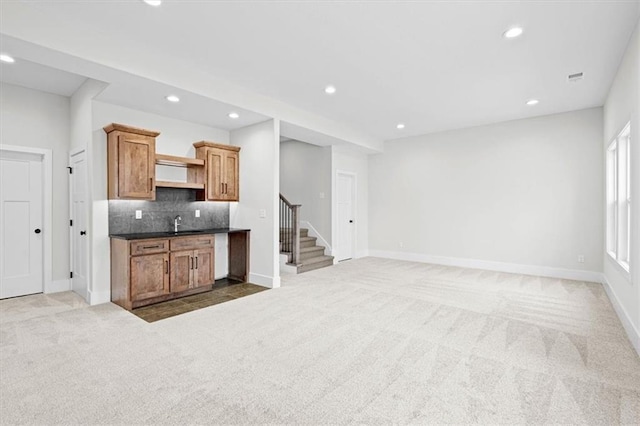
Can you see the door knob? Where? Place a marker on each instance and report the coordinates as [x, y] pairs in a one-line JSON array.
[[37, 231], [83, 232]]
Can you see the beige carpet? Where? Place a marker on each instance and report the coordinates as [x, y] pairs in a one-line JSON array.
[[370, 341]]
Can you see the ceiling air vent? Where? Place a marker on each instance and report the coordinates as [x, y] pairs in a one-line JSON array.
[[573, 78]]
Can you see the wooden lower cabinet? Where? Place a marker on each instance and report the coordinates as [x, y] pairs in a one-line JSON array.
[[160, 272], [203, 273], [149, 276], [181, 273]]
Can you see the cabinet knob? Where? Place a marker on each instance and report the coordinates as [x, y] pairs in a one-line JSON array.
[[37, 231]]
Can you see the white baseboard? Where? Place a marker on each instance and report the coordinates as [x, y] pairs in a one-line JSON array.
[[264, 280], [632, 331], [313, 232], [98, 297], [543, 271], [285, 268], [362, 253], [56, 286]]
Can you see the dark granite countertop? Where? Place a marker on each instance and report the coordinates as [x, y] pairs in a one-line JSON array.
[[183, 233]]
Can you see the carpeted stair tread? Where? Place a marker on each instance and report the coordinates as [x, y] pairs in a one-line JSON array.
[[317, 259]]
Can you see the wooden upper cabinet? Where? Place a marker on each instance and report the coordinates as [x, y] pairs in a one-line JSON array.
[[131, 162], [222, 171]]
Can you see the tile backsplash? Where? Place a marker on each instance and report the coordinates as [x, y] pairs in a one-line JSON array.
[[158, 215]]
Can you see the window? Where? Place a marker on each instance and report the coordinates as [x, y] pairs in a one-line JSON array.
[[619, 197]]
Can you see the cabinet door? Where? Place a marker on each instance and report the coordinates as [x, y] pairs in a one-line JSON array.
[[181, 270], [203, 268], [231, 177], [136, 166], [149, 276], [214, 175]]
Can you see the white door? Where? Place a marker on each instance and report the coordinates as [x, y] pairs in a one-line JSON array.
[[21, 224], [78, 196], [346, 215]]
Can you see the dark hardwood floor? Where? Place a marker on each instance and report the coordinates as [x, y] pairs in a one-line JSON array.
[[223, 291]]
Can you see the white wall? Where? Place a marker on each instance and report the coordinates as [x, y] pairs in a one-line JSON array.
[[81, 112], [36, 119], [621, 107], [259, 183], [176, 138], [305, 174], [352, 160], [526, 192]]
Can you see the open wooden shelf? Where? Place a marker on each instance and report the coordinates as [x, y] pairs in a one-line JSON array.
[[175, 161], [184, 185]]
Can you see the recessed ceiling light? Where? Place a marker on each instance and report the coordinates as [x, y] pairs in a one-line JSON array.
[[234, 115], [173, 98], [330, 89], [400, 126], [513, 32], [153, 2], [532, 102], [7, 58]]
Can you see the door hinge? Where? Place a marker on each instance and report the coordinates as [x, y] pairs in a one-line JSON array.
[[70, 222], [70, 274], [70, 170]]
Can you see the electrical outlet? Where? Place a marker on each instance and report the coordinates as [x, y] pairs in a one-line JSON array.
[[138, 214], [263, 213], [197, 213], [401, 244], [580, 258]]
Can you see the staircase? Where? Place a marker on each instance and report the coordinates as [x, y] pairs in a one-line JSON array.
[[311, 254], [303, 252]]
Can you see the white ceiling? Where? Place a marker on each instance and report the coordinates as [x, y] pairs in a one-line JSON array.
[[150, 96], [40, 77], [431, 65]]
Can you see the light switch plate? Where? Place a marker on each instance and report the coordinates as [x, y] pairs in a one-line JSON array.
[[197, 213], [263, 213], [138, 214]]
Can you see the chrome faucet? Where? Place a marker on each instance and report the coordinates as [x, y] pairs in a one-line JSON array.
[[176, 223]]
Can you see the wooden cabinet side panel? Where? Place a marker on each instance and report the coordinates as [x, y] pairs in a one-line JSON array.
[[112, 166], [239, 255], [120, 289], [181, 277], [149, 276], [204, 268]]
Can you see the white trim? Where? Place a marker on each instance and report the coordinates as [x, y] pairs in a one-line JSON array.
[[286, 268], [264, 280], [620, 267], [57, 286], [632, 331], [314, 233], [543, 271], [362, 253], [98, 297], [47, 211]]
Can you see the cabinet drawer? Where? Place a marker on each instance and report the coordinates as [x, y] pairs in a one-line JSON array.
[[149, 246], [189, 243]]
